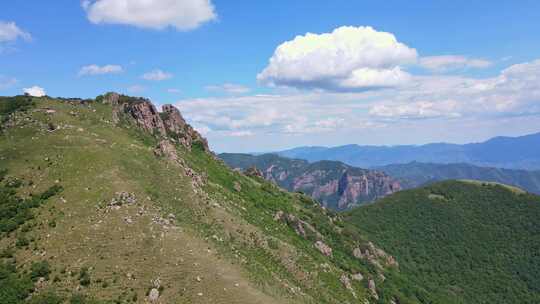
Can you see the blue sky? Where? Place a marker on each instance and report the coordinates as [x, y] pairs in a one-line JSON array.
[[459, 71]]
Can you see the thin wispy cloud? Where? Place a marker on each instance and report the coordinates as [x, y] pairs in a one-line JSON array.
[[94, 69], [452, 62], [9, 32], [228, 88], [157, 75]]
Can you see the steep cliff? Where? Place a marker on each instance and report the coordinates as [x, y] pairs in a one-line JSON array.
[[334, 184]]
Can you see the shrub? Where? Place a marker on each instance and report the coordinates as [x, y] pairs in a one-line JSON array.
[[84, 277], [48, 297], [40, 269]]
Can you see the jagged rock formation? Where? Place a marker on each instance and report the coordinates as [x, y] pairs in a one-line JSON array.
[[334, 184], [168, 124]]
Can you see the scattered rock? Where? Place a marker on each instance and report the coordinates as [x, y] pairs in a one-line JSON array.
[[253, 172], [344, 279], [153, 296], [373, 289], [237, 187], [358, 277], [122, 198], [323, 248]]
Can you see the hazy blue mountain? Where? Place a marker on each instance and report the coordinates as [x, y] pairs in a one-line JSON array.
[[503, 152], [416, 174]]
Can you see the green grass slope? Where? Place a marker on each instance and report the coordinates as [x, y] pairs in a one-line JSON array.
[[465, 242], [91, 214]]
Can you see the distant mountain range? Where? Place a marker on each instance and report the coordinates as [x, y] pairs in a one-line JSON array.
[[334, 184], [502, 152], [415, 174]]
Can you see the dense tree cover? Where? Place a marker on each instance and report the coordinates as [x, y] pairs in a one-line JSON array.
[[464, 242], [16, 285], [14, 210]]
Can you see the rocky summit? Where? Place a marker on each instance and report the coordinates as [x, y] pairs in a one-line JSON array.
[[109, 200], [336, 185]]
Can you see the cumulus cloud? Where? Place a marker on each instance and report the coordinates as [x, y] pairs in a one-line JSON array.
[[157, 75], [94, 69], [9, 32], [347, 59], [35, 91], [452, 62], [180, 14], [229, 88], [514, 92], [7, 82], [426, 101]]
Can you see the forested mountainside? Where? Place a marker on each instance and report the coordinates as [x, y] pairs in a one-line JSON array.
[[108, 200], [502, 152], [463, 241], [334, 184], [416, 174]]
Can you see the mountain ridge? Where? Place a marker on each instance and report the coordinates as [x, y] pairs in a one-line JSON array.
[[504, 152]]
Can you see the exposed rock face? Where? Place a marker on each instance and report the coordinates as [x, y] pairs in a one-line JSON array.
[[153, 296], [373, 289], [253, 172], [166, 149], [323, 248], [179, 129], [375, 256], [336, 185], [169, 125]]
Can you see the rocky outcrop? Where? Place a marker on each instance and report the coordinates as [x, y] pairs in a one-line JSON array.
[[376, 256], [253, 172], [168, 125], [323, 248], [178, 129]]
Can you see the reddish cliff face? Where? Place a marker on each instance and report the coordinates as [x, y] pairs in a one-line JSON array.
[[334, 184], [168, 124], [342, 190]]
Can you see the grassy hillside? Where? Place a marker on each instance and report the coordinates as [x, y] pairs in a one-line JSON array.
[[416, 174], [465, 242], [103, 208]]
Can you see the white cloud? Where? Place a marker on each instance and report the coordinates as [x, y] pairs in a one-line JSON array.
[[136, 89], [9, 32], [349, 58], [514, 92], [7, 82], [174, 91], [157, 14], [157, 75], [452, 62], [35, 91], [425, 102], [94, 69], [242, 133], [229, 88]]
